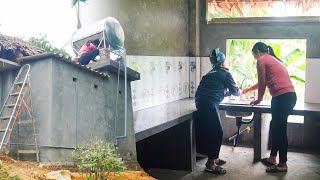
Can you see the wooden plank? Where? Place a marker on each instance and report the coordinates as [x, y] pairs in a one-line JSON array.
[[27, 151]]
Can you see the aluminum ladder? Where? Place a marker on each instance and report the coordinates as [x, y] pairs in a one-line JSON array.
[[17, 101]]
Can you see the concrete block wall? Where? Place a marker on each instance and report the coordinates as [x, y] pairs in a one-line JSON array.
[[72, 106]]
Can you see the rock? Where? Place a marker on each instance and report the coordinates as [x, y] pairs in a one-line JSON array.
[[63, 177], [12, 174], [59, 175]]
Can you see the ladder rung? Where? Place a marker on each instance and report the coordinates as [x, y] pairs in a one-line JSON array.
[[29, 121], [15, 94], [5, 117], [28, 151], [3, 130], [10, 105], [20, 83]]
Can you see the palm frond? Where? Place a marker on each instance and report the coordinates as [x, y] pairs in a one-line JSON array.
[[74, 2]]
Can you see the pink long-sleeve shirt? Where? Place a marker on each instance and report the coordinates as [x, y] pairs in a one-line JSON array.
[[274, 75], [86, 49]]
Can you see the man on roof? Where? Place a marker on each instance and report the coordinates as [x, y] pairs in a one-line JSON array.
[[88, 52]]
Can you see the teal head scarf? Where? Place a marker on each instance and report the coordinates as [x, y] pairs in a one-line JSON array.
[[217, 57]]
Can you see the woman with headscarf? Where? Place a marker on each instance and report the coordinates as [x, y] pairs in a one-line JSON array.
[[273, 74], [210, 92]]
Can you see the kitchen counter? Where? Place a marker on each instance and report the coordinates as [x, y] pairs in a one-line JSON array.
[[152, 121], [261, 126], [300, 109]]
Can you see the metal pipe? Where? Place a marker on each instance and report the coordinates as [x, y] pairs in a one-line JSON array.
[[122, 54], [44, 145], [125, 94], [254, 93], [116, 107], [72, 45]]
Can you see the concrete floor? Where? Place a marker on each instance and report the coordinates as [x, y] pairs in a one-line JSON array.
[[304, 166]]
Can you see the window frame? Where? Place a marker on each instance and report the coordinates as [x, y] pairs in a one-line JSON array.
[[241, 20]]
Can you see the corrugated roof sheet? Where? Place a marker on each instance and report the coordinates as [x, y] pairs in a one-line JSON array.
[[61, 58]]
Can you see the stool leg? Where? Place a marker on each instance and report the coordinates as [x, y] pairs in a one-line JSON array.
[[239, 123]]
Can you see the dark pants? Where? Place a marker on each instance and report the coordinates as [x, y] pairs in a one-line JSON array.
[[86, 57], [281, 107], [208, 127]]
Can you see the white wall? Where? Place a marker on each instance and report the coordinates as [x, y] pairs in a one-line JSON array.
[[163, 79], [312, 84]]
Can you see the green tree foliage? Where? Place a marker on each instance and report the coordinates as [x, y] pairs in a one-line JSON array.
[[43, 43], [243, 65]]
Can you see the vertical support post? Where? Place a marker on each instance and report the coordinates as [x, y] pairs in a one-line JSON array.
[[193, 152], [257, 137]]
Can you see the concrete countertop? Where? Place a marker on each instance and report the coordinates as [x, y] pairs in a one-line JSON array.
[[150, 121], [300, 108]]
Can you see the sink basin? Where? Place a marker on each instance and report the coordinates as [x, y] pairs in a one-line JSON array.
[[238, 102], [238, 113]]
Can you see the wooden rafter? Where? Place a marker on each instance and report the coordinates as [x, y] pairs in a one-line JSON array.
[[252, 3], [228, 4], [238, 10], [215, 4]]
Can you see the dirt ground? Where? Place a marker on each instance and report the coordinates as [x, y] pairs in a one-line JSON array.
[[11, 169]]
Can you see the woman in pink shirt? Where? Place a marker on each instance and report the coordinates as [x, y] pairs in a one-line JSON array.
[[88, 52], [273, 74]]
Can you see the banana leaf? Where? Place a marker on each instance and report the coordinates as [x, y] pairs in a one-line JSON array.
[[297, 78]]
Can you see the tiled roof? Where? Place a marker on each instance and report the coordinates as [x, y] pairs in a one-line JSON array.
[[61, 58], [12, 48]]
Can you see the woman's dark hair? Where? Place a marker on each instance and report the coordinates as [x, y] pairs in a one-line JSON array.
[[95, 42], [213, 57], [263, 48]]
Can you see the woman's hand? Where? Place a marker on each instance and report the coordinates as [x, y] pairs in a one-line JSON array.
[[253, 103], [245, 91]]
